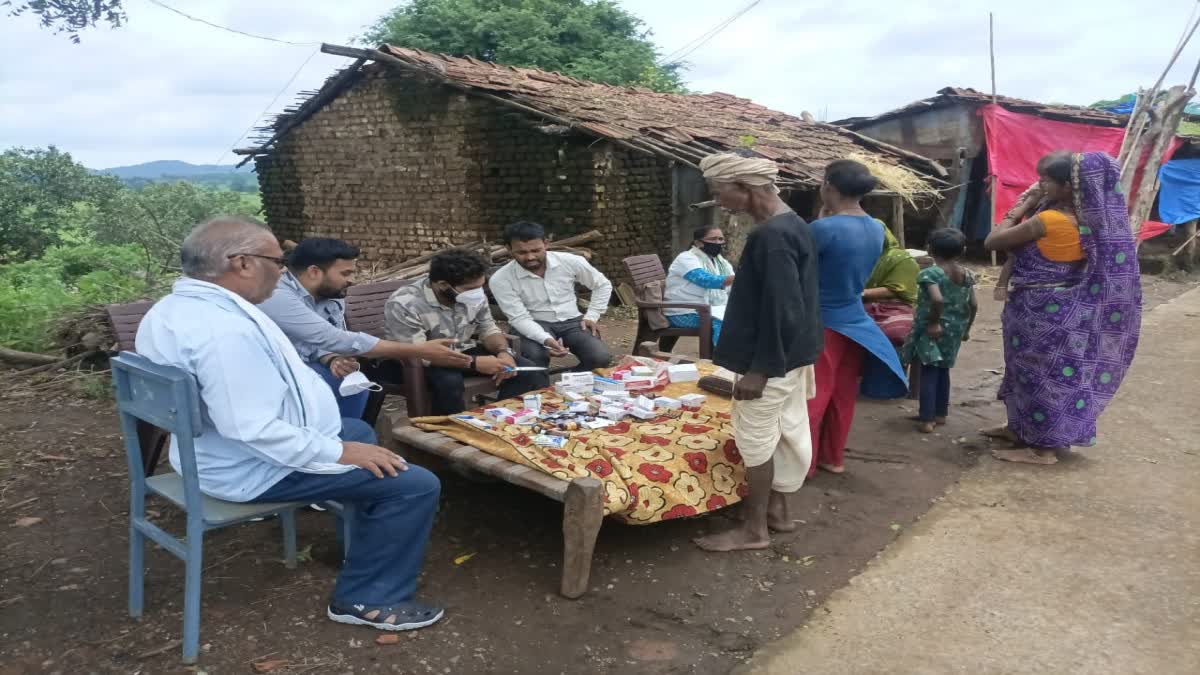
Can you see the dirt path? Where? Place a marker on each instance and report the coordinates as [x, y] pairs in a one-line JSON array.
[[1084, 567], [657, 605]]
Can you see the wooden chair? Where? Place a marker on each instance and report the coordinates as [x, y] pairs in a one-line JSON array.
[[364, 313], [646, 269], [125, 320]]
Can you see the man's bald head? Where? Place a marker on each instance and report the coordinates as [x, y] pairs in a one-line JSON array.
[[207, 250]]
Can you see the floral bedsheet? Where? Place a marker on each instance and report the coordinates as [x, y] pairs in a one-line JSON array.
[[677, 465]]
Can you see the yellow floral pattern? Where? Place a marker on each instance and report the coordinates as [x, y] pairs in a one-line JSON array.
[[677, 465]]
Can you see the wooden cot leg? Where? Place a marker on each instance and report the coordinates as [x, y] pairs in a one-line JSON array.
[[583, 512]]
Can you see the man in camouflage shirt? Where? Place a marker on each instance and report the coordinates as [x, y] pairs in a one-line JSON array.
[[451, 303]]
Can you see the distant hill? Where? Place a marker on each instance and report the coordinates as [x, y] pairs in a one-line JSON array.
[[211, 176], [170, 168]]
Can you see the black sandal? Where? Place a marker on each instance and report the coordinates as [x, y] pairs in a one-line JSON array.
[[405, 615]]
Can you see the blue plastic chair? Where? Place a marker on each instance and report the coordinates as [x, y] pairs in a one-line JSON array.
[[167, 398]]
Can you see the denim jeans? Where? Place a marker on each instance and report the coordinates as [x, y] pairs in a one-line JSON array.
[[935, 392], [349, 406], [392, 520]]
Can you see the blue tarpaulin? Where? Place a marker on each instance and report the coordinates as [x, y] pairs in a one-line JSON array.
[[1124, 106], [1179, 195]]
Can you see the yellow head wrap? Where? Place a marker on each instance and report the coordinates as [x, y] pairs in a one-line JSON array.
[[727, 167]]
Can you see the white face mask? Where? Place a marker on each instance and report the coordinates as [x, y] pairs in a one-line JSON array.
[[355, 383], [472, 299]]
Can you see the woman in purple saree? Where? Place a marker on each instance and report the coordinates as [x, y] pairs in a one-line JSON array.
[[1073, 316]]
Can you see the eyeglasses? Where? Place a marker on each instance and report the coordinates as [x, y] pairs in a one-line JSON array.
[[281, 262]]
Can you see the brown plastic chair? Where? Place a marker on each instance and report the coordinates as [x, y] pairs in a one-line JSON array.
[[365, 314], [645, 269], [125, 320]]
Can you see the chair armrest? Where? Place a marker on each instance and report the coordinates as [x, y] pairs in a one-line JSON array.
[[702, 308], [416, 392]]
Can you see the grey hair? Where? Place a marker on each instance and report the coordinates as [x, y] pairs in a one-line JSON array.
[[206, 250]]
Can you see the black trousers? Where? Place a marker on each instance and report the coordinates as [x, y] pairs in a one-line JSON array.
[[935, 392], [446, 385], [589, 349]]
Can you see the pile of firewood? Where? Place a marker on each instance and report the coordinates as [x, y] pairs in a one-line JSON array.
[[497, 254]]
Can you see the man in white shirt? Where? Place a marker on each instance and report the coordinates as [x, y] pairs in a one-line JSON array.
[[536, 291], [270, 426]]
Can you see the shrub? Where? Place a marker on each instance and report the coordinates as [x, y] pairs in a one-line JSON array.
[[35, 293]]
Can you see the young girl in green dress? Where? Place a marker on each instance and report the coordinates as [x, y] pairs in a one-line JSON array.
[[946, 308]]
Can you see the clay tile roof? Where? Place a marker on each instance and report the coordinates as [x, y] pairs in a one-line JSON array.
[[966, 96], [683, 127]]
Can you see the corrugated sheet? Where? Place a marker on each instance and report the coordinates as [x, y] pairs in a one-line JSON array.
[[965, 96]]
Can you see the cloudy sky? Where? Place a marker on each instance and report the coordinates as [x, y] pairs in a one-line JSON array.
[[165, 87]]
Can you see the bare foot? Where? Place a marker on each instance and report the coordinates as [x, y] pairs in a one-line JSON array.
[[738, 539], [832, 468], [778, 518], [1002, 433], [1026, 456], [926, 427]]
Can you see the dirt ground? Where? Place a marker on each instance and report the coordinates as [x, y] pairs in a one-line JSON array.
[[657, 605]]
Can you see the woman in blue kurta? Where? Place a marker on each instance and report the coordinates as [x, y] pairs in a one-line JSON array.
[[848, 242]]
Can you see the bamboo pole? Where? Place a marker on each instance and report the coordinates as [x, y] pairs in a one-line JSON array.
[[995, 101], [1177, 99], [1189, 244]]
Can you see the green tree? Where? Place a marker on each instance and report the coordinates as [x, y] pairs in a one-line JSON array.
[[157, 217], [70, 16], [46, 198], [589, 39]]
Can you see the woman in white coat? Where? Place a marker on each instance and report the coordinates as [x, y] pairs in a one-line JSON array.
[[700, 275]]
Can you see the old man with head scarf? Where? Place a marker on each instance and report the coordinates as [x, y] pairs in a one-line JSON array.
[[771, 338]]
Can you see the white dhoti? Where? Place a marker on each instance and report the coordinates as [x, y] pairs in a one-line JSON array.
[[776, 426]]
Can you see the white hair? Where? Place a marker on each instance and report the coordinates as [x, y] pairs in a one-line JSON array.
[[206, 251]]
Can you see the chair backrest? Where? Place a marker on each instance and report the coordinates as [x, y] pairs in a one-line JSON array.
[[125, 320], [364, 306], [167, 398], [644, 269]]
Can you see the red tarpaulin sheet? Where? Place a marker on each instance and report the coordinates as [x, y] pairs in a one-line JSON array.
[[1016, 142], [1151, 229]]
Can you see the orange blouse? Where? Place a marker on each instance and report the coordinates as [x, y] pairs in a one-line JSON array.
[[1061, 243]]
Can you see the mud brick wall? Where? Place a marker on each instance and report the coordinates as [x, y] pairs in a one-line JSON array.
[[632, 208], [400, 166]]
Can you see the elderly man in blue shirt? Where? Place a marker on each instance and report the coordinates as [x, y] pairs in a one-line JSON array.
[[271, 430], [308, 306]]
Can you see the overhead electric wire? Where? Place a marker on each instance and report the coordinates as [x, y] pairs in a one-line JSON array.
[[698, 42]]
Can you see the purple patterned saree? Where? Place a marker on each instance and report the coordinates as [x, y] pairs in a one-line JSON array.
[[1071, 329]]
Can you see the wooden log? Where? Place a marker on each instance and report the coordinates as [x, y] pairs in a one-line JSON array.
[[575, 240], [18, 357], [898, 219], [583, 513], [57, 364]]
